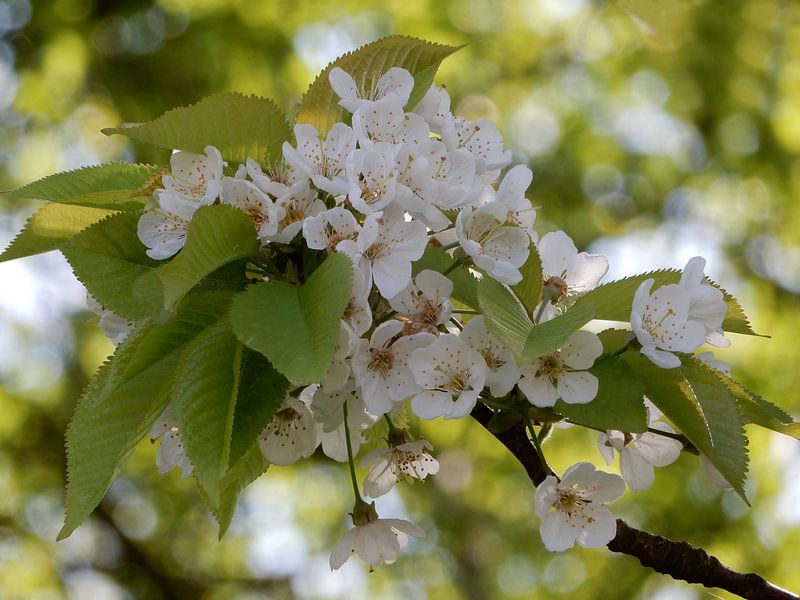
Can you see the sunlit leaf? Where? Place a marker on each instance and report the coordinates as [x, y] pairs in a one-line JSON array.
[[505, 316], [545, 338]]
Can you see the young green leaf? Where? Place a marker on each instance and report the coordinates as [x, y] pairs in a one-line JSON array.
[[218, 235], [320, 105], [114, 186], [505, 316], [275, 316], [619, 402], [124, 400], [529, 290], [50, 227], [108, 259], [204, 393], [240, 127], [464, 284], [545, 338]]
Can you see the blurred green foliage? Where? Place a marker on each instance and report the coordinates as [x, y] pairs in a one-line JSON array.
[[654, 134]]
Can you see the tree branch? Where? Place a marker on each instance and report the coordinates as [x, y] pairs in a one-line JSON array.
[[679, 560]]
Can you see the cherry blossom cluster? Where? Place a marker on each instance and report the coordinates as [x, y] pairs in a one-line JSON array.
[[379, 189]]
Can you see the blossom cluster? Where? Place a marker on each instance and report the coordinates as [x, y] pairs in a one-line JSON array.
[[379, 189]]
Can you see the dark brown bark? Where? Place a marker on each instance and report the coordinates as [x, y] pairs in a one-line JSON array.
[[679, 560]]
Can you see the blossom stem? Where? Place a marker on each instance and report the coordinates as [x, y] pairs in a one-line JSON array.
[[430, 233], [465, 311], [353, 479], [450, 246], [537, 445], [452, 267], [457, 324]]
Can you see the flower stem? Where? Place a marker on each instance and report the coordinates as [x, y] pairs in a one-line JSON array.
[[452, 267], [353, 479], [450, 246], [538, 446], [465, 311]]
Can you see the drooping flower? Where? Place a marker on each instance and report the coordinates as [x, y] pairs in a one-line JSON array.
[[451, 375], [563, 374], [706, 302], [425, 303], [171, 452], [662, 325], [503, 373], [571, 509], [511, 193], [375, 540], [327, 410], [494, 246], [292, 434], [381, 366], [563, 266], [639, 453], [386, 466], [395, 82]]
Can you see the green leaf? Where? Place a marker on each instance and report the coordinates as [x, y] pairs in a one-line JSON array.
[[619, 403], [320, 105], [728, 451], [505, 316], [123, 401], [296, 328], [108, 259], [204, 393], [240, 127], [736, 320], [529, 290], [261, 390], [114, 186], [614, 340], [545, 338], [218, 235], [465, 286], [50, 227], [249, 468]]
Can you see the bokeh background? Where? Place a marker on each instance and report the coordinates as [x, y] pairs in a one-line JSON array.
[[653, 138]]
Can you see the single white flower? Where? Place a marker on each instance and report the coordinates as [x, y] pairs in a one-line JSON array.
[[661, 323], [115, 327], [171, 452], [371, 181], [245, 196], [567, 269], [385, 124], [425, 303], [375, 540], [339, 370], [639, 453], [298, 204], [165, 223], [395, 82], [497, 248], [381, 366], [503, 373], [571, 509], [357, 313], [451, 375], [563, 374], [290, 435], [322, 161], [706, 303], [195, 177], [481, 139], [385, 248], [325, 230], [386, 466], [276, 181]]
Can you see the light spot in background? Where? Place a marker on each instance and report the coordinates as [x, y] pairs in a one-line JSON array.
[[649, 87], [564, 573], [87, 583], [739, 134], [589, 40], [542, 15], [671, 591], [315, 580], [602, 179], [768, 257], [455, 470], [276, 550], [317, 44], [534, 130], [481, 16], [517, 575], [14, 14]]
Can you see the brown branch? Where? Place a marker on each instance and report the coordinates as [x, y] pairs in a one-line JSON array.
[[679, 560]]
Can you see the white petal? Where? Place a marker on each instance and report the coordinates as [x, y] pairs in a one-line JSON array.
[[344, 549], [579, 387], [660, 358], [538, 390], [601, 530], [636, 470], [558, 531], [658, 450], [581, 350]]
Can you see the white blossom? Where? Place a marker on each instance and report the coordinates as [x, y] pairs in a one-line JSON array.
[[387, 465], [661, 323], [497, 248], [425, 303], [639, 453], [451, 375], [325, 230], [381, 367], [195, 177], [571, 509], [376, 541], [481, 139], [396, 82], [327, 410], [276, 181], [292, 434], [371, 181], [165, 223], [434, 107], [385, 248], [339, 369], [245, 196], [115, 327], [563, 266], [711, 361], [298, 204], [706, 302], [171, 452], [322, 161], [511, 193], [503, 373], [358, 314], [563, 374], [385, 124]]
